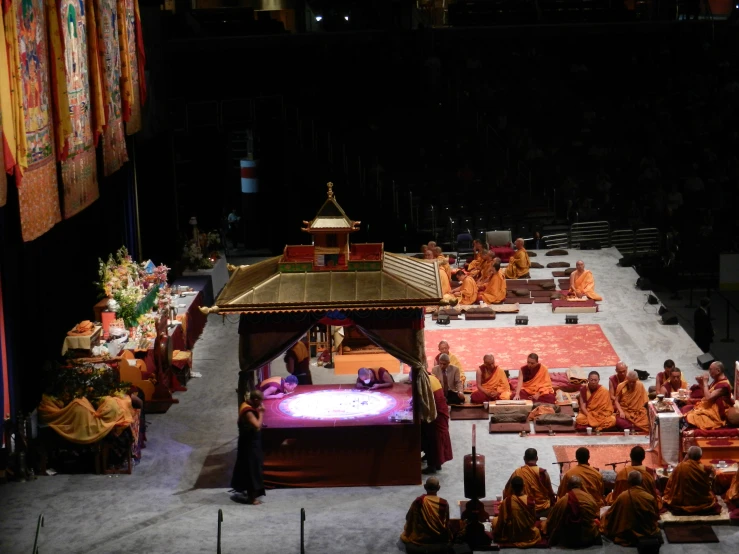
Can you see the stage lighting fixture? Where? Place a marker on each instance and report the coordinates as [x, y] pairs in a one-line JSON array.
[[522, 320], [571, 319], [319, 18], [443, 319], [346, 18]]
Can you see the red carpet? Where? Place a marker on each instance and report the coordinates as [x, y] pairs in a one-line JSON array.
[[601, 454], [558, 346]]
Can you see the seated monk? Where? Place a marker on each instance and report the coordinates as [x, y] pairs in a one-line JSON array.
[[573, 521], [519, 264], [663, 376], [615, 380], [473, 267], [516, 521], [492, 383], [689, 488], [494, 290], [369, 379], [446, 284], [633, 516], [428, 254], [536, 483], [534, 382], [485, 269], [732, 496], [673, 384], [596, 409], [592, 480], [439, 255], [631, 397], [467, 291], [647, 481], [710, 412], [582, 283], [427, 522], [277, 387]]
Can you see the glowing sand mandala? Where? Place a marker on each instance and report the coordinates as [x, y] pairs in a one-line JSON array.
[[337, 404]]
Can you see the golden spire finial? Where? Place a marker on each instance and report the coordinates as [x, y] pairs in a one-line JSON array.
[[330, 189]]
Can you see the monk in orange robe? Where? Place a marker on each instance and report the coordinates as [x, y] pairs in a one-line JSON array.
[[647, 481], [446, 286], [516, 521], [664, 375], [534, 382], [536, 483], [467, 291], [615, 380], [592, 480], [673, 385], [486, 269], [631, 396], [596, 409], [494, 290], [688, 490], [474, 266], [633, 516], [492, 383], [519, 264], [582, 283], [573, 521], [427, 520], [710, 412]]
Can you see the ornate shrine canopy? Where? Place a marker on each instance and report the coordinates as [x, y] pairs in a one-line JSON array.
[[402, 282]]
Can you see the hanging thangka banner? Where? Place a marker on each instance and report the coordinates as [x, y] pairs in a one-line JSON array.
[[37, 186], [130, 97], [79, 170], [114, 141]]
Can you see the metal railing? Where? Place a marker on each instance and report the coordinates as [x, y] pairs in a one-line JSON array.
[[39, 525], [559, 240], [599, 231]]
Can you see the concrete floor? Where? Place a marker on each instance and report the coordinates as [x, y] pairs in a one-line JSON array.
[[158, 509]]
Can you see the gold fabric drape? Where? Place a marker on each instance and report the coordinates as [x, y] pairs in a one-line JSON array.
[[80, 423]]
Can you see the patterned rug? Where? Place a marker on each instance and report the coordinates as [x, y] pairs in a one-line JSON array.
[[601, 455], [558, 346]]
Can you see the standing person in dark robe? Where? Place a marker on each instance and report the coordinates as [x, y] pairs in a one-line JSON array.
[[248, 479], [297, 361], [437, 444]]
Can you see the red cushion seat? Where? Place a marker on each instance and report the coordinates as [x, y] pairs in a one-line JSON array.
[[502, 252]]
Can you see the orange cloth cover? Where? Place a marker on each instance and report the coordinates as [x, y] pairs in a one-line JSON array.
[[585, 285], [632, 403], [80, 423], [689, 488], [733, 493], [497, 382], [592, 482], [515, 524], [518, 265], [536, 483], [540, 383], [632, 516], [600, 409]]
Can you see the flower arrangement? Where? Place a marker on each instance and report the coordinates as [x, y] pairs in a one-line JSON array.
[[118, 272], [128, 303], [193, 257]]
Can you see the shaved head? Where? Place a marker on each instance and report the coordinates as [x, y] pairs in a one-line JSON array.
[[580, 265], [635, 478], [519, 243], [488, 359], [432, 484], [574, 482], [695, 453], [632, 376]]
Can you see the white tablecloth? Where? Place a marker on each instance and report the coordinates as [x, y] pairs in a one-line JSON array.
[[218, 275]]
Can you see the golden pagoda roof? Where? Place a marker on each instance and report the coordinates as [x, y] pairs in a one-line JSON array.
[[331, 217], [403, 282]]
